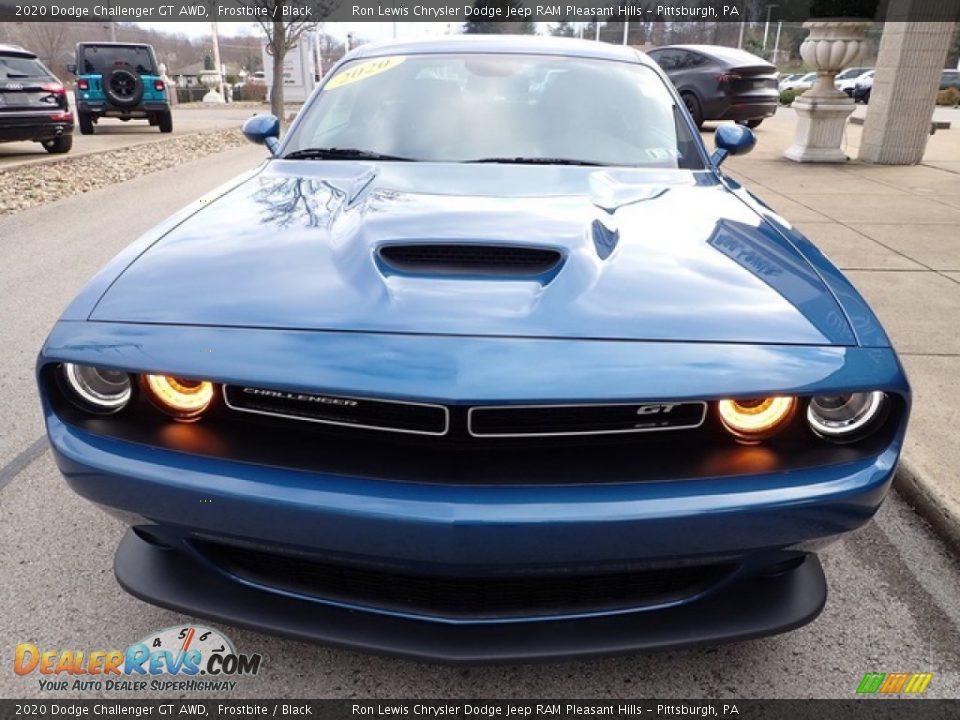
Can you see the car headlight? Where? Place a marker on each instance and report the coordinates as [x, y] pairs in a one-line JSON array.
[[178, 397], [845, 416], [96, 389], [753, 419]]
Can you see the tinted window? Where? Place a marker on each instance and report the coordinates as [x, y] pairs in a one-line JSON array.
[[692, 60], [667, 59], [463, 108], [17, 66], [97, 60]]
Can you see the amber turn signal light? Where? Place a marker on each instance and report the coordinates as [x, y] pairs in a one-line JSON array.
[[751, 420], [178, 397]]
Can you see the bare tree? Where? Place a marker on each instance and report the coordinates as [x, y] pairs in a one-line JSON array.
[[283, 36], [49, 40]]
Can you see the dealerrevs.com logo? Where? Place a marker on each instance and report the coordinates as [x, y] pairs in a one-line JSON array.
[[182, 659]]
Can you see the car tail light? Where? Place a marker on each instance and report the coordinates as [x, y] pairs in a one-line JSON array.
[[53, 88], [83, 85], [753, 419], [180, 398], [62, 117], [729, 77], [158, 85]]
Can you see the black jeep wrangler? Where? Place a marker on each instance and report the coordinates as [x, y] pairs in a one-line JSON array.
[[119, 80]]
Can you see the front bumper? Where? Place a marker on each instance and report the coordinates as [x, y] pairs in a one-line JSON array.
[[754, 522]]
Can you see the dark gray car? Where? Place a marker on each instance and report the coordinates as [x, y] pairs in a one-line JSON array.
[[721, 83]]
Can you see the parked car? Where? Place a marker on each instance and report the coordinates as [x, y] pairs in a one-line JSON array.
[[122, 81], [33, 103], [861, 92], [862, 87], [846, 80], [800, 82], [720, 83], [950, 79], [784, 79], [555, 386]]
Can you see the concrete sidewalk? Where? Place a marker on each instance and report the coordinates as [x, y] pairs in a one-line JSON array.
[[895, 231]]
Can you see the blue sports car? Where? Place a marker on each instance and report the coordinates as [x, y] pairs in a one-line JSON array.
[[489, 360]]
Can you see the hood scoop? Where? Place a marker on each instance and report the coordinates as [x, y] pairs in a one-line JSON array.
[[467, 260]]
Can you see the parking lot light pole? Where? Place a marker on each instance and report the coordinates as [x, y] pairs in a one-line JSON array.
[[766, 25], [216, 59]]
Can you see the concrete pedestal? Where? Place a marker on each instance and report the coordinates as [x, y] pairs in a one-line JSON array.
[[820, 126]]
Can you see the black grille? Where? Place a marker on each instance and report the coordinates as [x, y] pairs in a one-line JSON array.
[[473, 597], [357, 412], [469, 259], [533, 420]]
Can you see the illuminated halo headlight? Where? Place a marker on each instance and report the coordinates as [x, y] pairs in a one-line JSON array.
[[844, 416], [181, 398], [753, 419], [96, 389]]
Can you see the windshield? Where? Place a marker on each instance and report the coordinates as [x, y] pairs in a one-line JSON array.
[[499, 108], [97, 60], [18, 66]]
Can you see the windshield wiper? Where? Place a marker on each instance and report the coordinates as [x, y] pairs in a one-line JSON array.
[[334, 153], [536, 161]]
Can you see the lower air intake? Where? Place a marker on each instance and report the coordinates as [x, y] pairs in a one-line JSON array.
[[464, 597]]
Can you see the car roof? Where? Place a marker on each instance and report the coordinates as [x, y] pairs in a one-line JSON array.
[[721, 52], [15, 50], [113, 44], [520, 44]]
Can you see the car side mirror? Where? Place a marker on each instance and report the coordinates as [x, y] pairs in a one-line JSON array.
[[263, 130], [72, 68], [732, 140]]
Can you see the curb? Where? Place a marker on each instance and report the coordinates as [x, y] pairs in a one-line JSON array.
[[53, 159], [930, 503]]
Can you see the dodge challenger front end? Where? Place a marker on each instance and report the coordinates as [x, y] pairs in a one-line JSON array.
[[488, 361]]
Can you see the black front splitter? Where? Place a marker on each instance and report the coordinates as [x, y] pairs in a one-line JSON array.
[[748, 608]]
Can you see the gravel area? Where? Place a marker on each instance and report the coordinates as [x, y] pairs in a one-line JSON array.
[[26, 186]]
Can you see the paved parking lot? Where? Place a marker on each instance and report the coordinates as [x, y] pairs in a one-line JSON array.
[[110, 134], [894, 587]]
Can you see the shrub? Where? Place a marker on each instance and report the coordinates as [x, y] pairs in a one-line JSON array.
[[949, 97], [788, 96]]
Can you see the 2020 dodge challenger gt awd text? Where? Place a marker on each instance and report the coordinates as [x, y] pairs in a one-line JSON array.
[[488, 361]]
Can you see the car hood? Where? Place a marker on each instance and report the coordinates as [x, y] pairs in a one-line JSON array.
[[646, 255]]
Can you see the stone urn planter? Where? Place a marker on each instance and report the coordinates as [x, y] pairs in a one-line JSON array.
[[211, 79], [822, 111]]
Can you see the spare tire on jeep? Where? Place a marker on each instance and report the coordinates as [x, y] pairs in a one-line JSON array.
[[122, 86]]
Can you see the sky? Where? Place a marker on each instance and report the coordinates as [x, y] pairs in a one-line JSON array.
[[366, 30]]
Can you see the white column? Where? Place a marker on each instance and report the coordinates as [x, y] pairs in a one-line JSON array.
[[903, 97]]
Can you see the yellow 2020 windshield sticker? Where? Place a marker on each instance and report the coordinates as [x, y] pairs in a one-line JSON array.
[[362, 71]]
